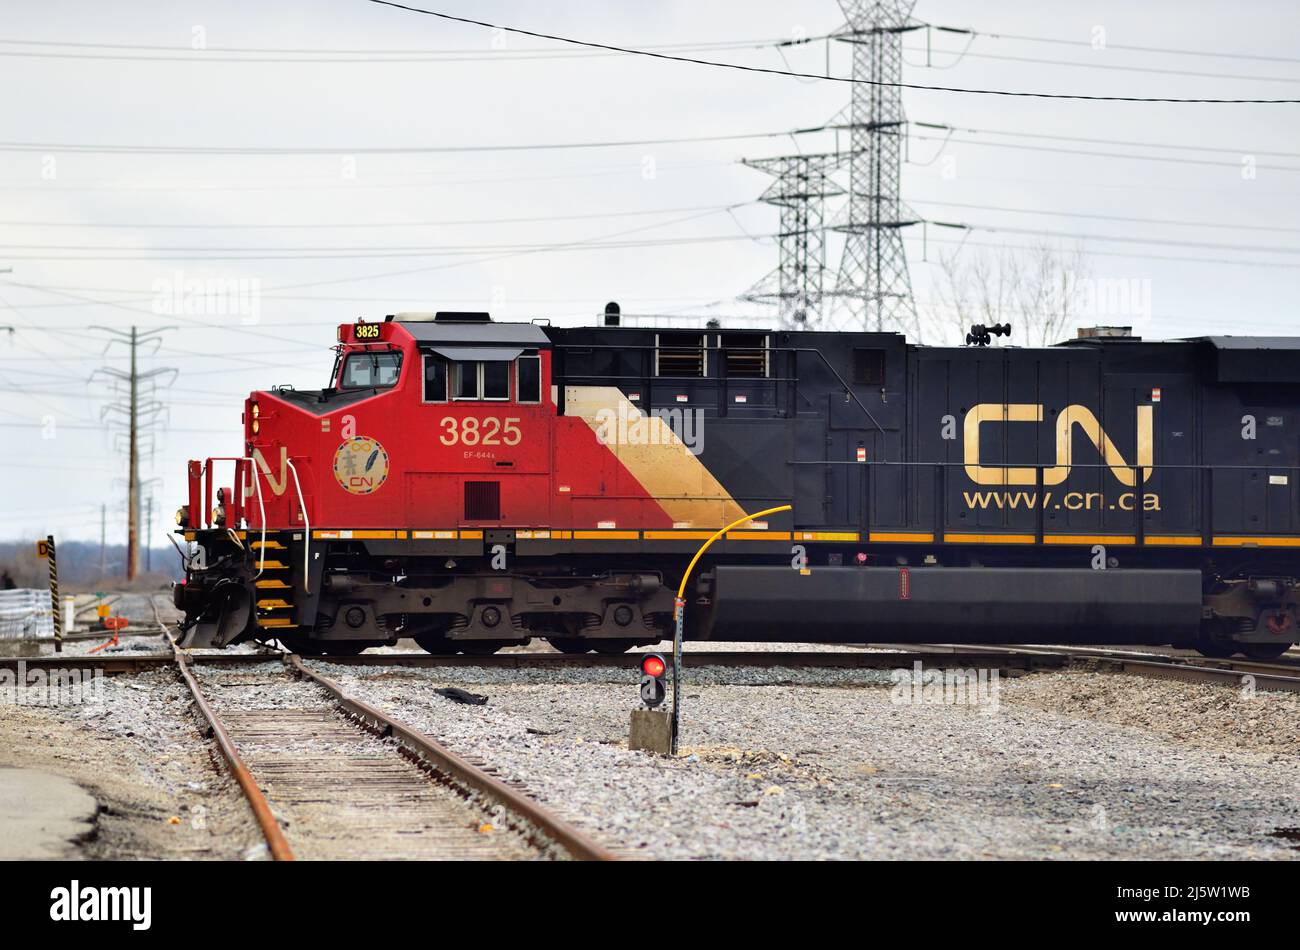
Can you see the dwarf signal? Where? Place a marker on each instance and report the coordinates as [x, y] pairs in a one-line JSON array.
[[653, 668]]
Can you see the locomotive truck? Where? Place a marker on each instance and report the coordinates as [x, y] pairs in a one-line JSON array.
[[473, 484]]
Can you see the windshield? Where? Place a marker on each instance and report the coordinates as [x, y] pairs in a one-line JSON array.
[[371, 370]]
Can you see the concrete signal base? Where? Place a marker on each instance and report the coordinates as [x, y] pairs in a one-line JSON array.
[[652, 731]]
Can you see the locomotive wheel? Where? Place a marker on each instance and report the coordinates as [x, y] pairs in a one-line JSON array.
[[481, 647], [435, 643], [1263, 651], [1214, 650], [570, 644], [296, 643], [344, 647], [612, 647]]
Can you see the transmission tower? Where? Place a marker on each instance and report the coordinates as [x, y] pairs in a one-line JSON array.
[[802, 185], [874, 288], [134, 418]]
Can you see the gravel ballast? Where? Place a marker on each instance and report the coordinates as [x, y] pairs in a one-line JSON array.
[[826, 765]]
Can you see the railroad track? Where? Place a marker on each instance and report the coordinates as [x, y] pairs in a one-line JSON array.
[[1283, 675], [352, 782]]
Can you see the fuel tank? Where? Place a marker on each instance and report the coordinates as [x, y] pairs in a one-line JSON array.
[[953, 605]]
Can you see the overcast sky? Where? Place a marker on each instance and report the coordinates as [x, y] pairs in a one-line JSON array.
[[89, 235]]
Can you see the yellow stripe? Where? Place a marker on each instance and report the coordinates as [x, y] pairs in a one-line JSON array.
[[990, 538], [345, 534], [471, 535], [678, 535], [1089, 539], [826, 536], [901, 536], [1192, 541], [189, 535], [676, 478], [606, 535], [1262, 541], [759, 536], [433, 535]]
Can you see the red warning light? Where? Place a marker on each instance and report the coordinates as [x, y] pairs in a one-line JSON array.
[[653, 665]]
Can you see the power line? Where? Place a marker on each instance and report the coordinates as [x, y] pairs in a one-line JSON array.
[[828, 78], [1116, 67], [1127, 47], [284, 226], [1179, 222], [361, 254], [251, 54], [1092, 140], [1169, 159], [1243, 262], [1204, 245], [100, 149], [335, 184]]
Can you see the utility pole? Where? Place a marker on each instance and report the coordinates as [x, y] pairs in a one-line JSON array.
[[103, 537], [137, 415], [148, 535], [874, 283]]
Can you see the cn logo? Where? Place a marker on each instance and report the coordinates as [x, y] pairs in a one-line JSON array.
[[991, 413]]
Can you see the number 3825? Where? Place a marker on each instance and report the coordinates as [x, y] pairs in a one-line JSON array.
[[472, 430]]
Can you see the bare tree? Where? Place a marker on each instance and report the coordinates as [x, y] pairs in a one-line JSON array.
[[1035, 289]]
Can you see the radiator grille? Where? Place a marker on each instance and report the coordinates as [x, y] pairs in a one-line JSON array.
[[482, 501]]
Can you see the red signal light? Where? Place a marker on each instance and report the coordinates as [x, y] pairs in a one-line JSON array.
[[653, 665]]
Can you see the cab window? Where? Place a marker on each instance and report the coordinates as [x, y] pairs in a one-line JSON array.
[[371, 370], [435, 378], [486, 379], [467, 380], [528, 383], [496, 380]]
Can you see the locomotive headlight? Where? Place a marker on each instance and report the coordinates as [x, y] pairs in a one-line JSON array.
[[219, 516], [183, 516], [257, 410], [256, 426]]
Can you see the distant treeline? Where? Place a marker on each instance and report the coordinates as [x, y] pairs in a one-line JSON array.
[[79, 565]]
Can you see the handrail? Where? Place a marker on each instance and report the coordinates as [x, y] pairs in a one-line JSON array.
[[261, 507], [306, 535]]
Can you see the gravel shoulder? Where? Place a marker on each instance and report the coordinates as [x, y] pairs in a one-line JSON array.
[[138, 750]]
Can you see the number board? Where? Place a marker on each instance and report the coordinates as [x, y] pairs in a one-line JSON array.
[[366, 331]]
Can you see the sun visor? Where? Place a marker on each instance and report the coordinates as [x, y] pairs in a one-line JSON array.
[[468, 354]]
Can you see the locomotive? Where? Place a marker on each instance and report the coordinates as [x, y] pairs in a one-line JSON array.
[[473, 484]]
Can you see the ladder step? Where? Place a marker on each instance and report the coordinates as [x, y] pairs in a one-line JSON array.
[[272, 584], [273, 603], [272, 566], [281, 622], [269, 545]]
